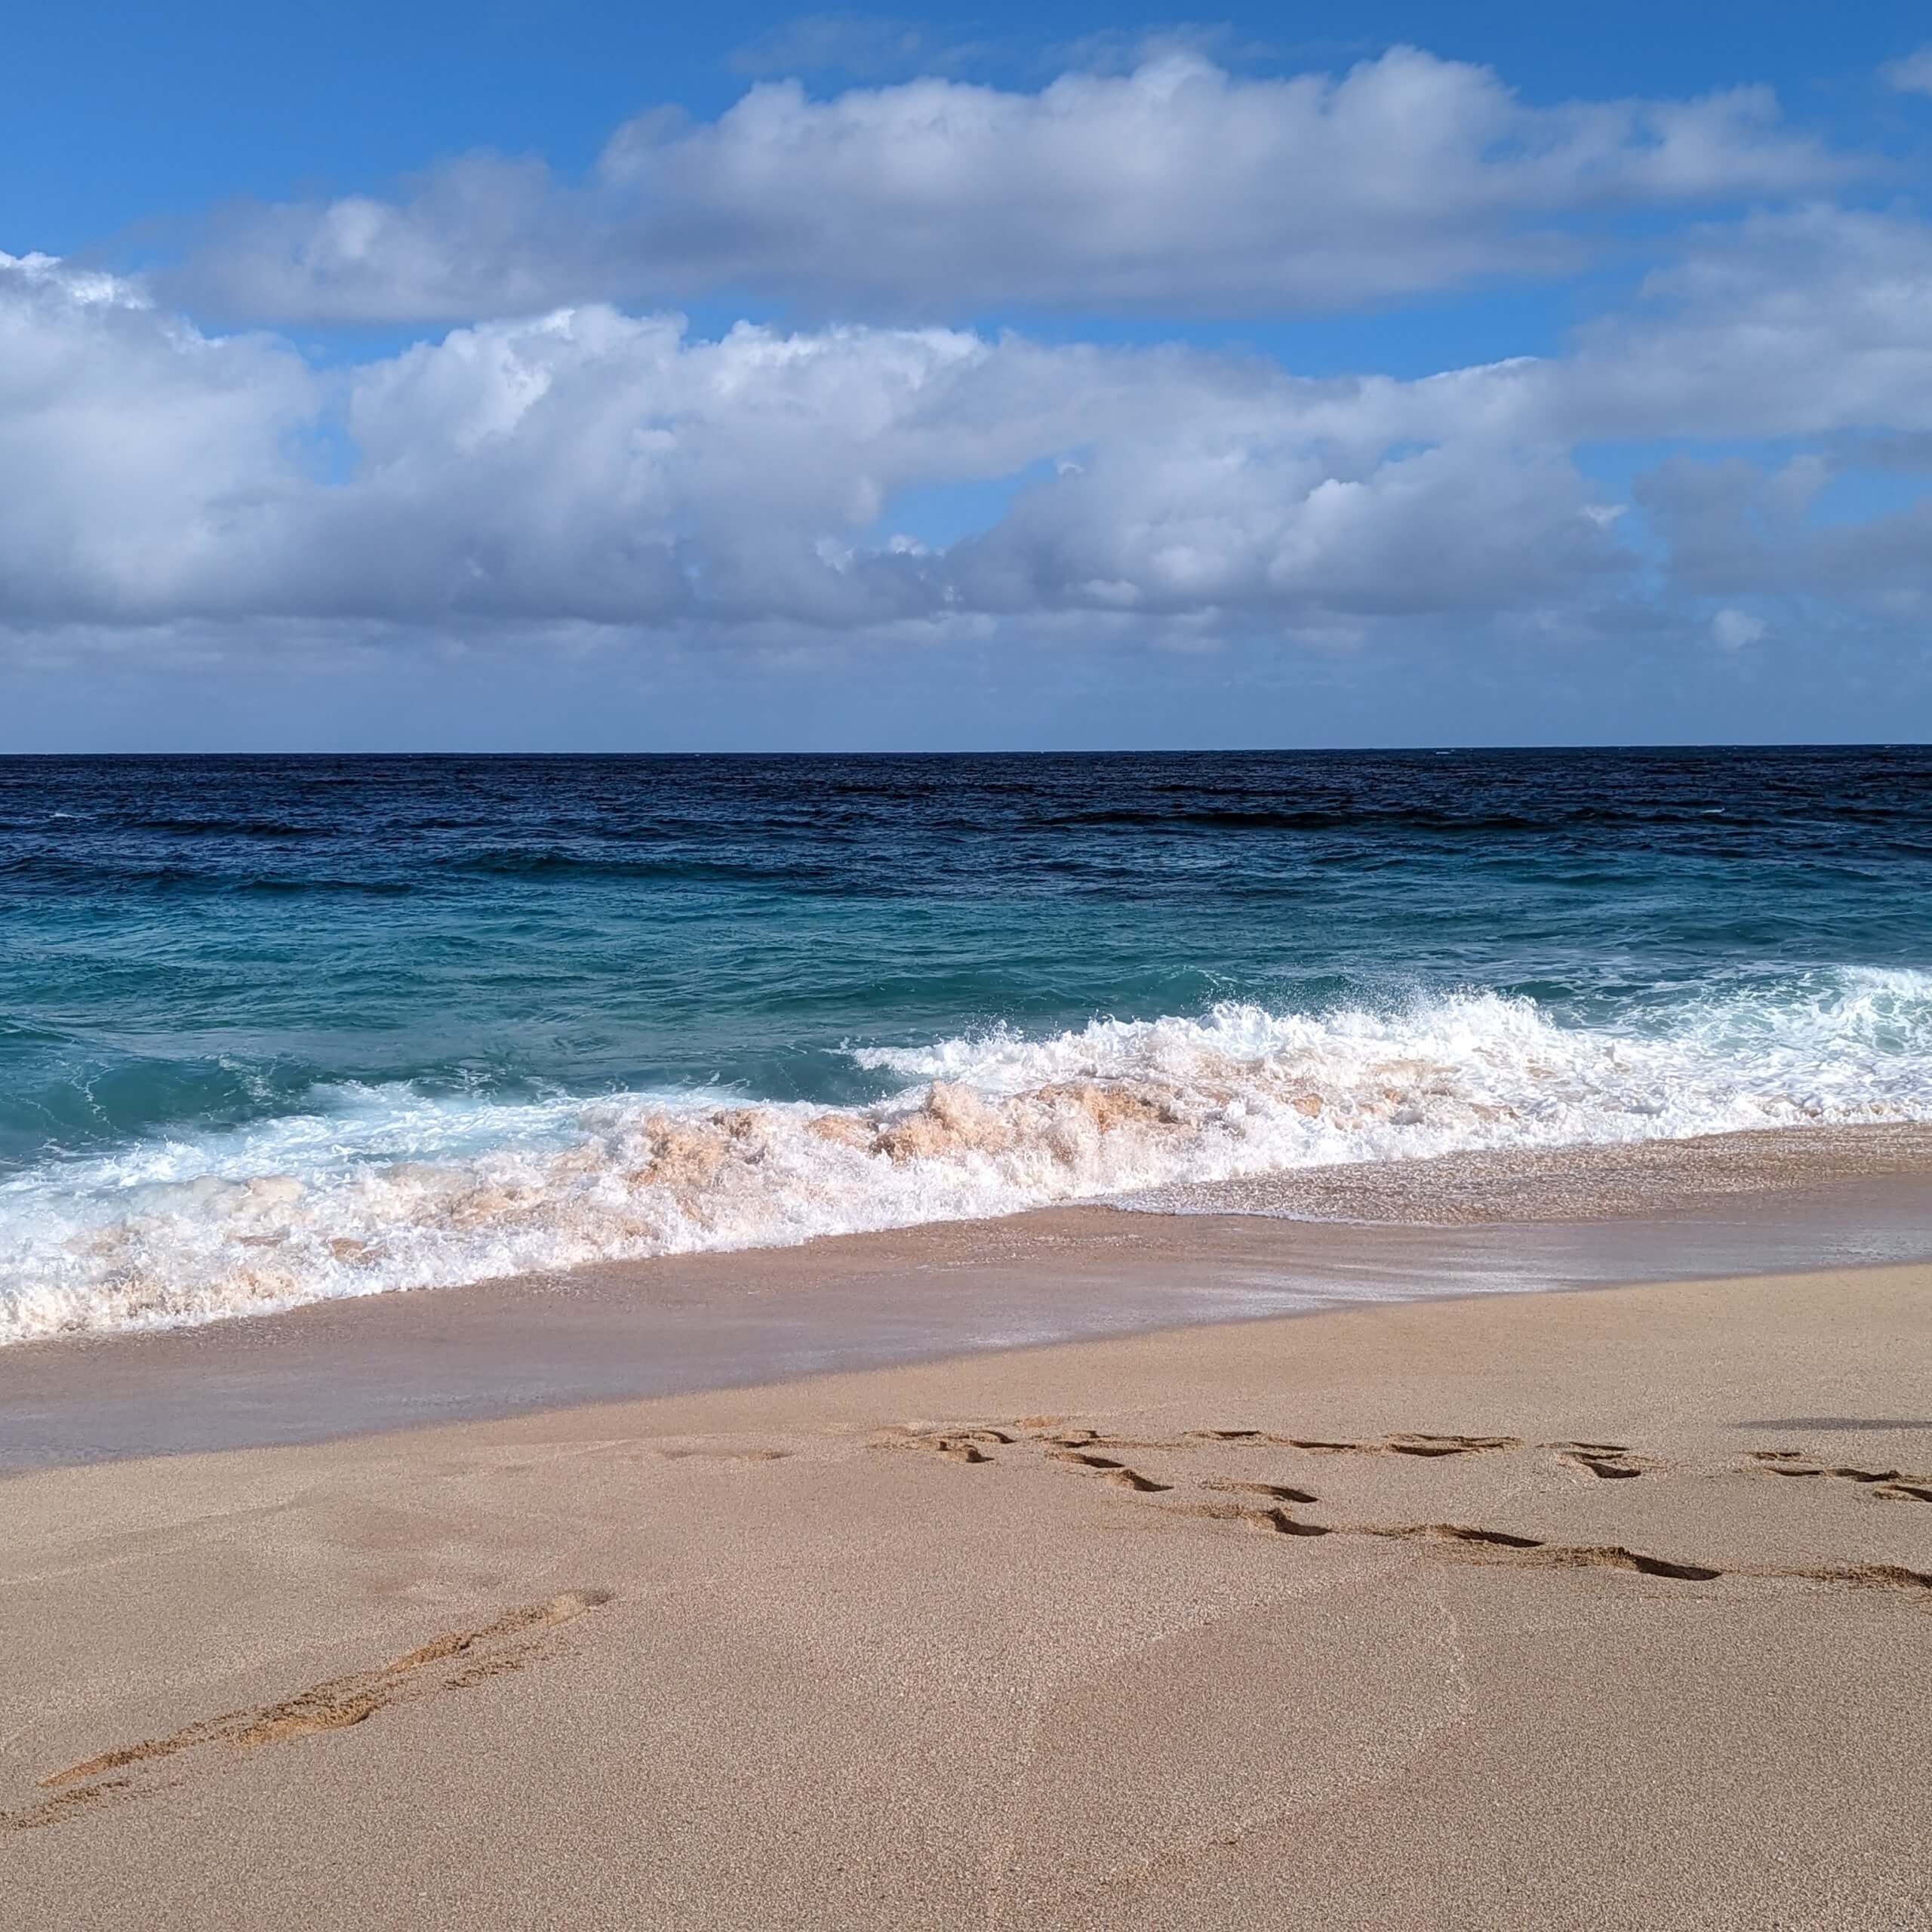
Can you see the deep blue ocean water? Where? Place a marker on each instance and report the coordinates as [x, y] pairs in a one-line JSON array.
[[276, 1028]]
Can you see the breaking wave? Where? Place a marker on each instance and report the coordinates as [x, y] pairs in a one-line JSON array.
[[384, 1188]]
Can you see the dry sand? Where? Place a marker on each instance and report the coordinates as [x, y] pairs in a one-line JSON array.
[[1603, 1609]]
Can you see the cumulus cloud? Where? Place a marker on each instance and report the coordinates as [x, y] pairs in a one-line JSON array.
[[1177, 188], [1736, 529], [589, 467], [1221, 522], [142, 457], [1912, 74], [1795, 323]]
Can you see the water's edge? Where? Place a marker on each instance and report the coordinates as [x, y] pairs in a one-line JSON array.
[[280, 1031], [682, 1324]]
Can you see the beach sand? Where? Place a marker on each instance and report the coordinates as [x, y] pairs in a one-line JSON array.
[[1609, 1609]]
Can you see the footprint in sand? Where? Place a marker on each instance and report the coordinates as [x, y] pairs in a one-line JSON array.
[[1888, 1485], [507, 1643], [1408, 1442], [1117, 1473], [1609, 1462], [1083, 1448]]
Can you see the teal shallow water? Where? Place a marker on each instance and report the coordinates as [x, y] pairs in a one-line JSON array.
[[271, 1030]]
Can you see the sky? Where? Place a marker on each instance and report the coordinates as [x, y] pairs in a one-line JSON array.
[[585, 376]]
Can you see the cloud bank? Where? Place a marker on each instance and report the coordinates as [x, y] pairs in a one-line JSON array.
[[1177, 189], [1726, 461], [591, 467]]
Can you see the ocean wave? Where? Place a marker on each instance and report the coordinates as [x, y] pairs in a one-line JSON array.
[[65, 872], [679, 868], [384, 1188]]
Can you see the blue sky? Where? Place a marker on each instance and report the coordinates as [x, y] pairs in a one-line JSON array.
[[127, 113], [509, 377]]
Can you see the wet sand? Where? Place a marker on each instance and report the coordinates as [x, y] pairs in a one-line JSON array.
[[1541, 1610], [1704, 1175], [677, 1325]]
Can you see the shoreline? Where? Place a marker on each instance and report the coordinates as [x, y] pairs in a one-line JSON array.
[[681, 1324], [1567, 1612], [213, 1244]]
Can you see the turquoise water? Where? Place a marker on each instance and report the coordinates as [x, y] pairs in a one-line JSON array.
[[273, 1029]]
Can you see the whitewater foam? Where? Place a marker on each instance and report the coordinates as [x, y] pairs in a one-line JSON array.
[[384, 1188]]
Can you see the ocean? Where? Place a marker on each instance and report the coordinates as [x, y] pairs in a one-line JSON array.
[[278, 1029]]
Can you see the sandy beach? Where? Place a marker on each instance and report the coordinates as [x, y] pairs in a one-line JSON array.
[[966, 973], [1601, 1610]]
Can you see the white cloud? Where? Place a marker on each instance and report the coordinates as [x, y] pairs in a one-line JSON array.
[[1800, 323], [1176, 188], [1733, 629], [1740, 529], [1912, 74], [594, 469], [141, 456], [589, 466]]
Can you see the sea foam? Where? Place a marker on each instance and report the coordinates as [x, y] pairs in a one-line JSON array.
[[384, 1188]]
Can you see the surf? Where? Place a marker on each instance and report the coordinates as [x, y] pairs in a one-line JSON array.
[[377, 1188]]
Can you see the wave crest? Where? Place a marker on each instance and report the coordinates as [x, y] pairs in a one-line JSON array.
[[392, 1190]]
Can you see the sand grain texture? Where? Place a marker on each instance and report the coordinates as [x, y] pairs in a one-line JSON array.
[[1602, 1611]]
